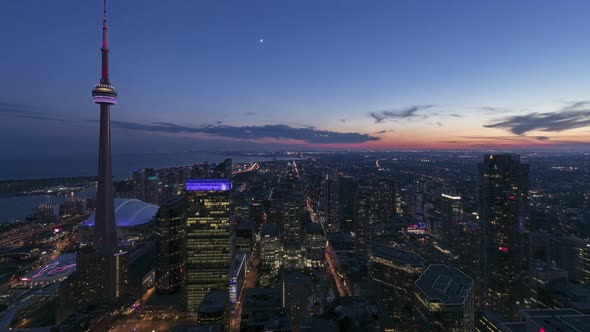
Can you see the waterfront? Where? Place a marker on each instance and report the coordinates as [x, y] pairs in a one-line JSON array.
[[123, 164]]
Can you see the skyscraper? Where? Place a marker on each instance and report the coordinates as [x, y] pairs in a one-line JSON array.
[[503, 202], [104, 267], [208, 250], [346, 202], [170, 227]]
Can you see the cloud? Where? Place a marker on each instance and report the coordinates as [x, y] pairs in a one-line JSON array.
[[25, 112], [455, 115], [343, 120], [250, 113], [405, 113], [438, 123], [542, 138], [307, 134], [574, 115], [492, 109], [381, 132]]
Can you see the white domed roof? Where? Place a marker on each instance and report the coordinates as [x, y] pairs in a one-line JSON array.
[[129, 212]]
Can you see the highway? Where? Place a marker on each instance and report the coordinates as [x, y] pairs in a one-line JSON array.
[[48, 228], [254, 167]]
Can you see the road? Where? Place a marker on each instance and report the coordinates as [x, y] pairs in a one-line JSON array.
[[254, 167], [332, 268], [249, 282], [20, 237], [343, 288]]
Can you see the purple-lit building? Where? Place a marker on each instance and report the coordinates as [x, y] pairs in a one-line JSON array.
[[208, 250]]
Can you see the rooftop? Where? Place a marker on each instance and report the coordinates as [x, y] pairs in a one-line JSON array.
[[270, 320], [62, 266], [208, 185], [398, 255], [314, 228], [214, 301], [559, 321], [270, 229], [257, 298], [129, 213], [446, 284]]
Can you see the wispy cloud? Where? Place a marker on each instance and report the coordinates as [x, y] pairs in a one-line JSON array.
[[493, 109], [306, 134], [409, 112], [25, 112], [574, 115]]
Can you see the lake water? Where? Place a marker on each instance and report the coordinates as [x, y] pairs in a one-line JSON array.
[[123, 165], [19, 207]]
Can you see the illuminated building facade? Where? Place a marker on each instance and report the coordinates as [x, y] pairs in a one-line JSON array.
[[315, 245], [270, 247], [503, 204], [170, 237], [208, 248]]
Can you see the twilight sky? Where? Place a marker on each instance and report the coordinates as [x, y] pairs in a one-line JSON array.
[[194, 74]]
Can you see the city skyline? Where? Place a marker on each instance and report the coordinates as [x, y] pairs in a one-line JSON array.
[[331, 166], [252, 77]]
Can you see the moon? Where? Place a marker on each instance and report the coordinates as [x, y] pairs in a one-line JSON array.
[[261, 40]]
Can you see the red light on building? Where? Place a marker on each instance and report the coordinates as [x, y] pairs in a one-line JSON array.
[[503, 249], [512, 197], [541, 329]]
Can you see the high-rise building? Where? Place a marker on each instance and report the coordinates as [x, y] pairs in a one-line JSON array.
[[208, 250], [170, 237], [104, 267], [151, 186], [573, 255], [47, 213], [270, 247], [418, 202], [315, 245], [292, 223], [139, 184], [393, 273], [445, 299], [503, 205], [346, 202], [451, 216]]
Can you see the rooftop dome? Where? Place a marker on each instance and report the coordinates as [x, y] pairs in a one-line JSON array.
[[129, 212]]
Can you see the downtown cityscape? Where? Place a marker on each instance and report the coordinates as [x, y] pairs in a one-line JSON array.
[[429, 217]]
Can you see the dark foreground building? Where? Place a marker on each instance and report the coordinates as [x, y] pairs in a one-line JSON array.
[[503, 211]]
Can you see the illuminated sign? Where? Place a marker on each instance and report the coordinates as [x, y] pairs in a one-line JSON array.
[[208, 184], [233, 290]]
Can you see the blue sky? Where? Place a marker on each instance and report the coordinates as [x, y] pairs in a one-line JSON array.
[[322, 65]]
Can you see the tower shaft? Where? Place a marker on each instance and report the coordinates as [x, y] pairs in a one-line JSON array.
[[105, 233]]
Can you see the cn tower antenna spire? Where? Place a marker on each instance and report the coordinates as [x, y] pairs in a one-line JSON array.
[[105, 49]]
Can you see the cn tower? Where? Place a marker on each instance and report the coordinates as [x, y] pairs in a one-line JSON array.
[[105, 232], [103, 269]]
